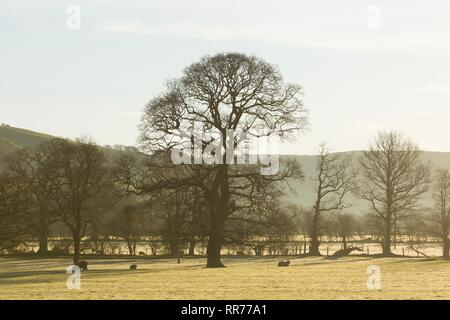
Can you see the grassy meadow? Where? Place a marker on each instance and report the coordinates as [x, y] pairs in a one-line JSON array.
[[244, 278]]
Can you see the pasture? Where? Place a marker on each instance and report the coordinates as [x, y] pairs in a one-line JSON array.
[[243, 278]]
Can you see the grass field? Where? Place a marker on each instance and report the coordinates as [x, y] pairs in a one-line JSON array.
[[245, 278]]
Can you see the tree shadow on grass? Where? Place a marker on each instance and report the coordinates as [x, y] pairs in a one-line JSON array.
[[33, 276], [415, 260], [26, 277], [325, 260], [28, 265]]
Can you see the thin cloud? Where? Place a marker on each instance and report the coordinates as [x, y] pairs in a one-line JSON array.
[[424, 113], [120, 113], [291, 34], [431, 88]]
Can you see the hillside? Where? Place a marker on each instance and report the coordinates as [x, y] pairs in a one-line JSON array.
[[302, 193], [12, 138]]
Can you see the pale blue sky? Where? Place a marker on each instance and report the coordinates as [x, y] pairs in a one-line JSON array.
[[361, 71]]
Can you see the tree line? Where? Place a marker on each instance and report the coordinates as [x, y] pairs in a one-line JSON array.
[[75, 187]]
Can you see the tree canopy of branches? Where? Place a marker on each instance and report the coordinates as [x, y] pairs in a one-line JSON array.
[[128, 224], [14, 208], [219, 93], [394, 178], [36, 167], [347, 224], [180, 218], [81, 187], [335, 178], [275, 225]]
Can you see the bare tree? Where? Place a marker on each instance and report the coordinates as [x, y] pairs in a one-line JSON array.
[[100, 233], [334, 179], [394, 179], [14, 208], [197, 228], [129, 226], [273, 227], [347, 225], [220, 93], [441, 215], [181, 218], [80, 188], [37, 168], [172, 213]]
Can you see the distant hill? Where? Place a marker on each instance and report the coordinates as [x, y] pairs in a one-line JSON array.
[[12, 138], [304, 192]]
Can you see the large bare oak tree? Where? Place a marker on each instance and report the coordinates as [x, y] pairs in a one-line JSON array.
[[229, 91]]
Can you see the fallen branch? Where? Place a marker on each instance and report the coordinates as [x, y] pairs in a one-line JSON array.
[[420, 252], [345, 252]]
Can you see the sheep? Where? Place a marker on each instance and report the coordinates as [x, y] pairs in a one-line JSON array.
[[83, 265], [133, 267], [284, 263]]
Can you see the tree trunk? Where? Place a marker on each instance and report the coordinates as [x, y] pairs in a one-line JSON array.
[[446, 249], [76, 249], [191, 248], [219, 211], [43, 244], [344, 242], [173, 248], [387, 236], [43, 232], [314, 246], [215, 242], [102, 247], [130, 247], [394, 235]]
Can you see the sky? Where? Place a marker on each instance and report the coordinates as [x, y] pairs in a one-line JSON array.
[[71, 68]]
